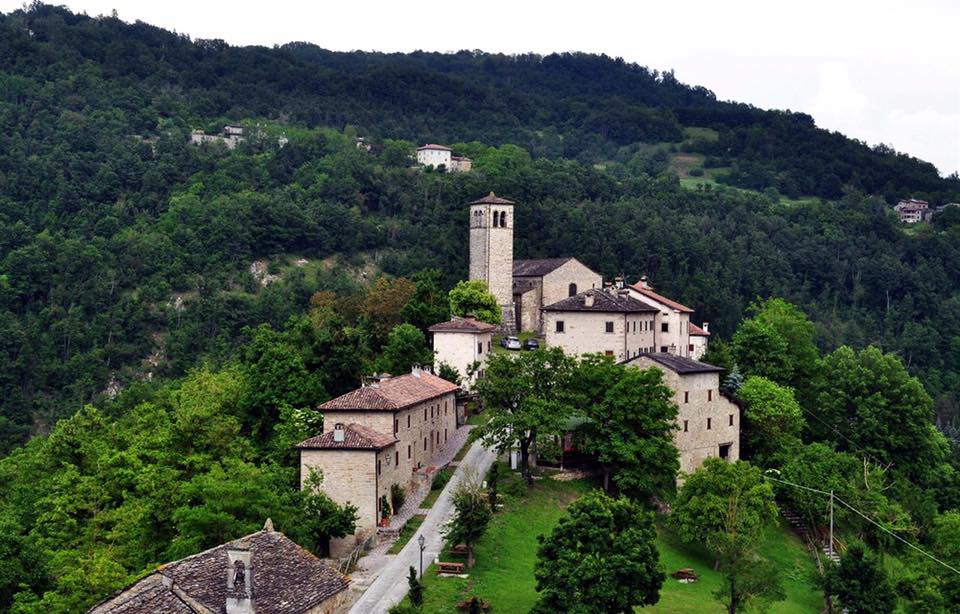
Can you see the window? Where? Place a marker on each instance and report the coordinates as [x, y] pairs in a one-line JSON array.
[[409, 451], [731, 419], [686, 424], [488, 346], [424, 414], [496, 219], [664, 327], [396, 458], [503, 219], [663, 349], [425, 439], [634, 326], [408, 420], [378, 467], [572, 290], [710, 395], [559, 326], [609, 326], [690, 348], [396, 425], [608, 353], [686, 396], [444, 435], [480, 348], [725, 451], [709, 423]]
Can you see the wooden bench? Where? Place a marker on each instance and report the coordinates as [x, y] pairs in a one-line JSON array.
[[459, 550], [454, 568]]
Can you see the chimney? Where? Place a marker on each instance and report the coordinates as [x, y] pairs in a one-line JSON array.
[[607, 285], [239, 582], [588, 300], [618, 282], [706, 327], [645, 283], [416, 370], [339, 433], [672, 349]]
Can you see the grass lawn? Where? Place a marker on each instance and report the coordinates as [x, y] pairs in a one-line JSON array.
[[499, 349], [406, 533], [505, 557]]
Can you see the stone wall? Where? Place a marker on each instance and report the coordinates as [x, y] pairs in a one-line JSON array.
[[529, 305], [584, 332], [556, 283], [698, 398], [491, 254], [349, 476]]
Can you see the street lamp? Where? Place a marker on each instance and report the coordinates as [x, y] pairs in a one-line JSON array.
[[422, 541]]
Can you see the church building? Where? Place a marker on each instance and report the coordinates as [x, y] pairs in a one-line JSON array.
[[522, 287]]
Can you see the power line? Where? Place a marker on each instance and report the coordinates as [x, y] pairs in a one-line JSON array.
[[867, 518], [883, 528]]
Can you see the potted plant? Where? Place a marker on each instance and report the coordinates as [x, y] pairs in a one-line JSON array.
[[384, 511]]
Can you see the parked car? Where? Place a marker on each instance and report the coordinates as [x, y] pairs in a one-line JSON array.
[[511, 343], [531, 344]]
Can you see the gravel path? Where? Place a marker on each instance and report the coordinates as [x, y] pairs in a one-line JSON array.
[[391, 586]]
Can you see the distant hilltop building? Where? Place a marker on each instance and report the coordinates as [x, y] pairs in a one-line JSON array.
[[230, 136], [912, 210], [440, 155], [262, 573]]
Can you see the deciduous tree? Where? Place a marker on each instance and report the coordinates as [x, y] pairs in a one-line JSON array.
[[601, 557]]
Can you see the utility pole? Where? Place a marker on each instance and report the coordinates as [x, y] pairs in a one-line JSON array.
[[831, 525]]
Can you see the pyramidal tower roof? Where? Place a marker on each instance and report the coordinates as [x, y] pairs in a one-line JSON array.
[[492, 199]]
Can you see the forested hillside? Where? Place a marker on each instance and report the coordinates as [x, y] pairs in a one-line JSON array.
[[181, 310], [125, 252]]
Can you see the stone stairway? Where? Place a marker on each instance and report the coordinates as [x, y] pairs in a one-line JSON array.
[[800, 528]]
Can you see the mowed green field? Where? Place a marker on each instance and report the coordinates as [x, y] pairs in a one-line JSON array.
[[503, 573]]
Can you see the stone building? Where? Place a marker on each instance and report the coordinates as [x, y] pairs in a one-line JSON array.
[[672, 326], [708, 424], [523, 287], [606, 321], [699, 338], [491, 250], [230, 137], [377, 436], [462, 343], [542, 282], [434, 155], [460, 164], [262, 573], [911, 210]]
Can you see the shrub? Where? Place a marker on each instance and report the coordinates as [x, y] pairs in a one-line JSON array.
[[440, 480], [397, 496]]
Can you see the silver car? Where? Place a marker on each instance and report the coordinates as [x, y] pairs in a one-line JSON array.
[[511, 343]]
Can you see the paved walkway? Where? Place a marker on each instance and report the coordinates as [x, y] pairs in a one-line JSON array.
[[421, 488], [391, 586]]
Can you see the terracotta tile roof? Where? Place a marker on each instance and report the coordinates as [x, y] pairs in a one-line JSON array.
[[491, 199], [697, 331], [433, 146], [355, 437], [393, 394], [537, 267], [603, 302], [677, 364], [462, 325], [286, 580], [661, 299]]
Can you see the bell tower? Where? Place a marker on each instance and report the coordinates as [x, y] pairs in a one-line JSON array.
[[491, 250]]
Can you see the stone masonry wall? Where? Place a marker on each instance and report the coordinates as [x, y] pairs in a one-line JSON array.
[[556, 283], [698, 398], [585, 333], [491, 253]]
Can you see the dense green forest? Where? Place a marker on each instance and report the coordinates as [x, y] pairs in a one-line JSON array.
[[181, 374], [125, 252]]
